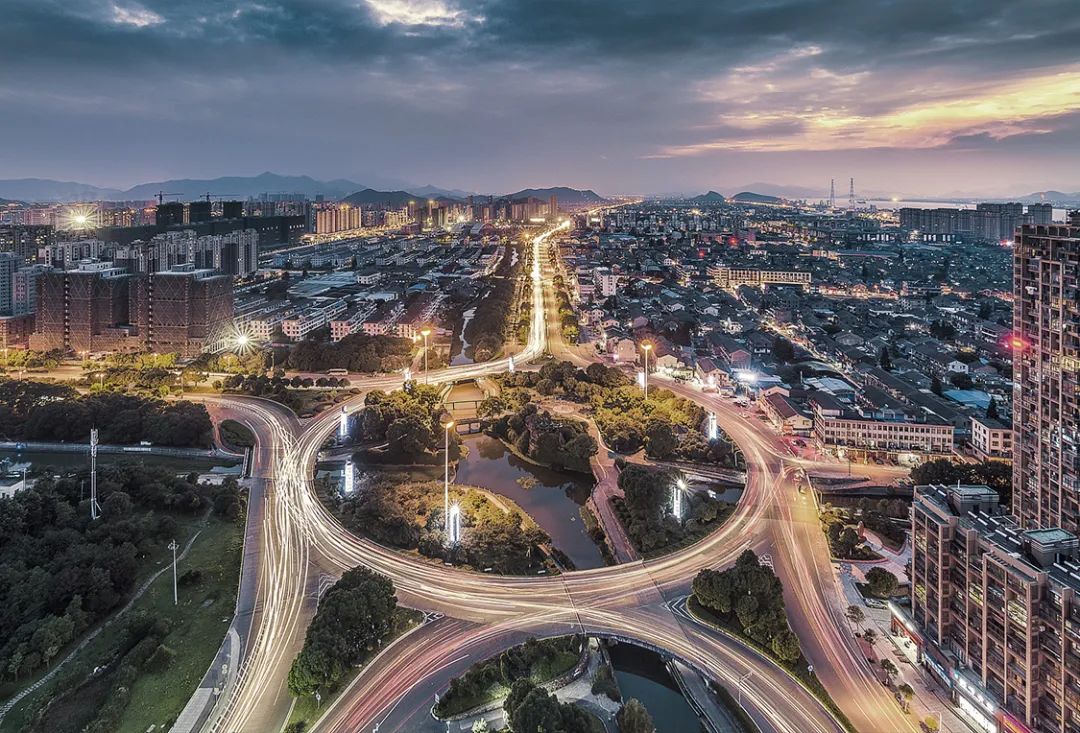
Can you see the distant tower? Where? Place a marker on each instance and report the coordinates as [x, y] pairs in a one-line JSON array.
[[851, 195], [832, 193]]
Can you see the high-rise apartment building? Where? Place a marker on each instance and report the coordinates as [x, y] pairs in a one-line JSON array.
[[1046, 375], [182, 311], [995, 599], [82, 310], [25, 239]]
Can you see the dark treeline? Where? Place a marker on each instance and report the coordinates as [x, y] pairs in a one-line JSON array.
[[55, 412], [356, 352], [60, 572], [486, 332]]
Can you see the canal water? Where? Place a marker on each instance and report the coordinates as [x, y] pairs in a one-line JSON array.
[[641, 674], [552, 498]]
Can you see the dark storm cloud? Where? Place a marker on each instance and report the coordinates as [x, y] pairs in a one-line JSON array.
[[435, 88]]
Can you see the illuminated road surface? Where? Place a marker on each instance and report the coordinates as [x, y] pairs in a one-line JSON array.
[[303, 547]]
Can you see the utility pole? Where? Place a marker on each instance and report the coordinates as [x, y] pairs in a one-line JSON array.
[[95, 508], [173, 546]]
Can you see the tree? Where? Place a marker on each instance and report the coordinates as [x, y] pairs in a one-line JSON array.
[[480, 726], [634, 718], [855, 615], [882, 583], [785, 645], [992, 410], [538, 712], [782, 350], [931, 723], [907, 692], [870, 636], [351, 620], [935, 385], [890, 670], [961, 380], [660, 439], [884, 359]]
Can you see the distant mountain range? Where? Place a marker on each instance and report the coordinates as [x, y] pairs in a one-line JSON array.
[[564, 194], [749, 197], [1049, 197], [712, 197], [242, 187], [393, 199]]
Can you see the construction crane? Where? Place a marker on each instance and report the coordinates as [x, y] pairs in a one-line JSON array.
[[161, 196], [218, 196]]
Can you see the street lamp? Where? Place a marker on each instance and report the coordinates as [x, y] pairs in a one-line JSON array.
[[677, 499], [742, 681], [646, 347], [447, 426], [425, 333]]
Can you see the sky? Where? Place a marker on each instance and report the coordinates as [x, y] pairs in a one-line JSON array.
[[930, 97]]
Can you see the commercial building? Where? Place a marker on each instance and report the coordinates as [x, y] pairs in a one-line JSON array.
[[1046, 375], [732, 277], [841, 427], [992, 440], [994, 611]]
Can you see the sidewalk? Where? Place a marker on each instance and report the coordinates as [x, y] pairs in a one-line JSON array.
[[929, 698]]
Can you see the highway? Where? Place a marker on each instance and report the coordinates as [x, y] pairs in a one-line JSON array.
[[302, 547]]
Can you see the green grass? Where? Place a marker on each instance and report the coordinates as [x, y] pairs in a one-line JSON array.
[[798, 669], [200, 623], [196, 634], [306, 711]]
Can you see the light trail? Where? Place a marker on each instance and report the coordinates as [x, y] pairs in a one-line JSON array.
[[488, 612]]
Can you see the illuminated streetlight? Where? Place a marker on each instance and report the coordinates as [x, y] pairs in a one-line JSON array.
[[646, 347], [454, 535], [447, 426], [425, 333]]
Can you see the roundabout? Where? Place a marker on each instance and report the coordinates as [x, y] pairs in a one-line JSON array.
[[295, 545]]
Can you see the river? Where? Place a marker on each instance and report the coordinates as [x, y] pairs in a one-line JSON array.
[[641, 674], [552, 498]]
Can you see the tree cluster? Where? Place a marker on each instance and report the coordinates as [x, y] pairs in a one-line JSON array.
[[645, 509], [750, 597], [532, 709], [356, 352], [278, 387], [410, 420], [995, 474], [555, 442], [53, 412], [539, 660], [486, 332], [667, 426], [60, 572], [353, 618], [409, 515]]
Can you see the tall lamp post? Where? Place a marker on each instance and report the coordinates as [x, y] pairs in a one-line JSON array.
[[646, 347], [447, 427], [425, 333]]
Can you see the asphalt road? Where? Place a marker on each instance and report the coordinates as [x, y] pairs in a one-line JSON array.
[[302, 547]]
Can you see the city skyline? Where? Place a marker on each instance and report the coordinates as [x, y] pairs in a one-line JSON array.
[[914, 98]]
